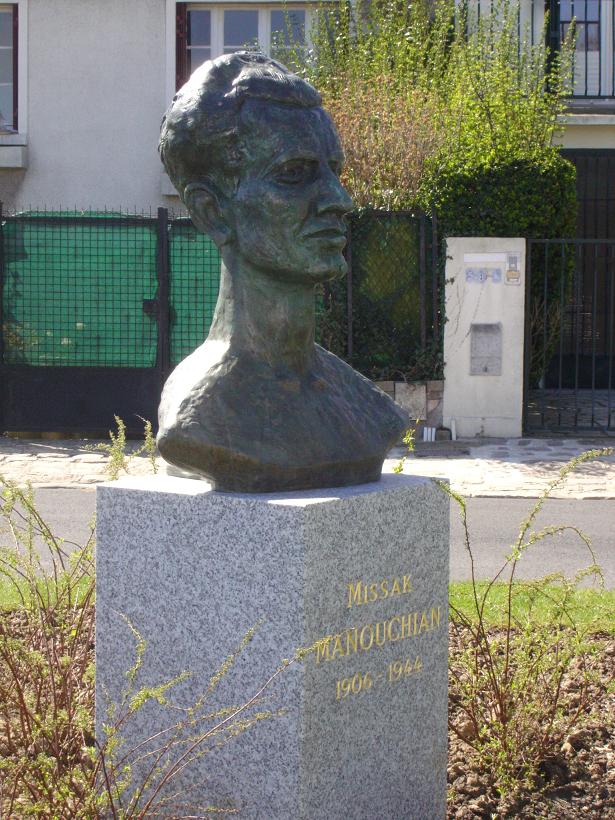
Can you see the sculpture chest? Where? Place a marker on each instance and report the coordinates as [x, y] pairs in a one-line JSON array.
[[245, 428]]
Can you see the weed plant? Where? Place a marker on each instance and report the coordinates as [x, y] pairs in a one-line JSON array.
[[506, 682], [51, 765], [408, 439], [117, 450], [46, 666]]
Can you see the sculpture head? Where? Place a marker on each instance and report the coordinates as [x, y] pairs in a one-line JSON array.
[[256, 161]]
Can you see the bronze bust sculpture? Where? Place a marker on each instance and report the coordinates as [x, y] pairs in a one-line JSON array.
[[260, 407]]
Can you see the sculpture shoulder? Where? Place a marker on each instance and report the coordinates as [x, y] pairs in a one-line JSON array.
[[229, 416], [192, 379], [354, 383]]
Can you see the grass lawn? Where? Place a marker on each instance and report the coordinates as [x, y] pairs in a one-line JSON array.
[[591, 609], [12, 595]]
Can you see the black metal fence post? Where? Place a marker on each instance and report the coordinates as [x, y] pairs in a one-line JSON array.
[[435, 295], [162, 266], [422, 288], [349, 344]]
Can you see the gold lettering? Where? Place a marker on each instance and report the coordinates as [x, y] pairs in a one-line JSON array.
[[351, 640], [424, 624], [338, 649], [364, 637], [360, 592], [390, 629], [381, 640], [371, 637], [354, 594], [435, 617], [322, 650]]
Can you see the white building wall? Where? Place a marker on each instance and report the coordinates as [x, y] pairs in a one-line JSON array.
[[595, 131], [96, 95]]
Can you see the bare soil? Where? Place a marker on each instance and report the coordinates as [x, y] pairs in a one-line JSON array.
[[576, 781]]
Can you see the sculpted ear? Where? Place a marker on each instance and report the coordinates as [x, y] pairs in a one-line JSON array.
[[204, 203]]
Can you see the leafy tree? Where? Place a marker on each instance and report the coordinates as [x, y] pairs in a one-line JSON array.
[[424, 94]]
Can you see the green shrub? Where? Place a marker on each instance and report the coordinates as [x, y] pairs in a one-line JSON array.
[[522, 197], [426, 98], [452, 115]]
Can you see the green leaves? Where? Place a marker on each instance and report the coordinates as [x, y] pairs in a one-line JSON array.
[[439, 108]]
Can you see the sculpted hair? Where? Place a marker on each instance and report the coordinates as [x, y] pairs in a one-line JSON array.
[[200, 133]]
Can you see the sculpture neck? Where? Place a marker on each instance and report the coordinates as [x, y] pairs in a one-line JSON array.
[[265, 318]]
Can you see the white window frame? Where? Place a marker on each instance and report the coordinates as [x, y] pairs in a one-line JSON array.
[[264, 20], [20, 137], [217, 28], [607, 45]]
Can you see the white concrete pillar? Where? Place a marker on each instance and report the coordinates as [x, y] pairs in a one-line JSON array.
[[484, 336]]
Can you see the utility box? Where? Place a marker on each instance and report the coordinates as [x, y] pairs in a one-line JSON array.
[[484, 336]]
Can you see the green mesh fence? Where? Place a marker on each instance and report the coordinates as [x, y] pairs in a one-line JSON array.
[[77, 291], [395, 285], [83, 290]]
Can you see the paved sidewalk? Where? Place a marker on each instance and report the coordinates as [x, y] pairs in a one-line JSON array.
[[493, 467], [517, 468]]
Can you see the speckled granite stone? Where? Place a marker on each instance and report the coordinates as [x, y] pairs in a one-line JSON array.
[[193, 570]]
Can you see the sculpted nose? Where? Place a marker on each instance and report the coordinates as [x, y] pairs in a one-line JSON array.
[[333, 196]]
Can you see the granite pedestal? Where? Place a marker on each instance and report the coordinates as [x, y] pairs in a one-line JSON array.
[[363, 727]]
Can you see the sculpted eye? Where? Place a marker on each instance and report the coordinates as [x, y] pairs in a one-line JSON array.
[[295, 171]]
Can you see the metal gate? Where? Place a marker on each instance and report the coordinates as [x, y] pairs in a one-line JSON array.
[[96, 309], [570, 340]]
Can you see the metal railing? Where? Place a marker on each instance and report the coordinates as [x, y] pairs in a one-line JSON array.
[[570, 336], [593, 70], [594, 27]]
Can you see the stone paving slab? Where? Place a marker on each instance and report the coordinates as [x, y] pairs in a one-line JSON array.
[[519, 468], [490, 467]]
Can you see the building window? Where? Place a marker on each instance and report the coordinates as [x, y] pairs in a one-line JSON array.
[[198, 37], [8, 68], [207, 31], [593, 74]]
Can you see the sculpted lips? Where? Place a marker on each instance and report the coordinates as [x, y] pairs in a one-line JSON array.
[[330, 233]]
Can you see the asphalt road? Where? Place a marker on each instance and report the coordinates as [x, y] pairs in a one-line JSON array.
[[493, 525]]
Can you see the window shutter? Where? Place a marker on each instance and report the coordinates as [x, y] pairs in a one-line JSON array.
[[15, 64], [181, 45]]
